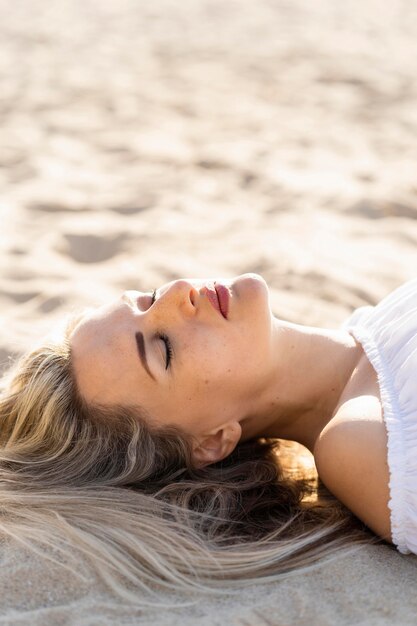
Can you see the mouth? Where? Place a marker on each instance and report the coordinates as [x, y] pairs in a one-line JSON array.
[[218, 296], [223, 296]]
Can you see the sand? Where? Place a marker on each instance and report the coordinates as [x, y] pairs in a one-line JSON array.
[[146, 141]]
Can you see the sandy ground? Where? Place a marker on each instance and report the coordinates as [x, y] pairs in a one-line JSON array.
[[145, 141]]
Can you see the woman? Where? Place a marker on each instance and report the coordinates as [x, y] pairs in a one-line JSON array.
[[146, 437]]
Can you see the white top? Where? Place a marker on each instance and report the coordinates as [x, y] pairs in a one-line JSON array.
[[388, 335]]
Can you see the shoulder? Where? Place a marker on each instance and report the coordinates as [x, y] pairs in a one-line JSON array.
[[351, 459]]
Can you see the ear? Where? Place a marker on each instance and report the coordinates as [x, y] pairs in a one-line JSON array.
[[217, 444]]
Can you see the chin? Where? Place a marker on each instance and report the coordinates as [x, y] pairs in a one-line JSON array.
[[252, 291], [252, 281]]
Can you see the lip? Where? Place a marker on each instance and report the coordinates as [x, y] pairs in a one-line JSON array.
[[218, 302], [223, 296]]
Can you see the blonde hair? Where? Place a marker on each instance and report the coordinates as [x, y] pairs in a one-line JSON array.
[[101, 481]]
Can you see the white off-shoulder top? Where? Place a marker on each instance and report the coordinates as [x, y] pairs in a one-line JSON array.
[[388, 335]]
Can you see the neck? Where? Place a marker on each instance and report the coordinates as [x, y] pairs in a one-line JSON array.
[[310, 368]]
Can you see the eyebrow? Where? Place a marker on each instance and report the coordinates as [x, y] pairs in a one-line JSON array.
[[140, 343]]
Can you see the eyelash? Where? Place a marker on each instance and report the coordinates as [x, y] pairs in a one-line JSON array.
[[168, 348]]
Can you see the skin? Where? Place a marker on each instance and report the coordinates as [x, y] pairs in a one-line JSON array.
[[251, 374]]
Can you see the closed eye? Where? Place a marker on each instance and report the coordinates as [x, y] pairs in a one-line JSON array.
[[168, 349], [169, 353]]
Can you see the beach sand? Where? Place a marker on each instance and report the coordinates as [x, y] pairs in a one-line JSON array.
[[142, 142]]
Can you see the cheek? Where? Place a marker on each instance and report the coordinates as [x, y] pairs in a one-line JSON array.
[[219, 364], [216, 382]]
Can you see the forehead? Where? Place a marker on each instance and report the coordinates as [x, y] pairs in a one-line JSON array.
[[96, 327], [99, 349]]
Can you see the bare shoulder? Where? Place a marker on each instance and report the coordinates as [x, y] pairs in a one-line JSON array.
[[351, 460]]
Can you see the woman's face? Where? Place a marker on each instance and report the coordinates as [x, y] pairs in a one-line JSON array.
[[218, 363]]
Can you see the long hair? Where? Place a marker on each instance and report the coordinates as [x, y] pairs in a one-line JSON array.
[[102, 482]]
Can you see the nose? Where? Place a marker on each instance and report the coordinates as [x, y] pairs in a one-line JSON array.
[[179, 295]]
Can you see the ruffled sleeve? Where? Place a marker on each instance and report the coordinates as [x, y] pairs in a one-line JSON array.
[[388, 335], [357, 316]]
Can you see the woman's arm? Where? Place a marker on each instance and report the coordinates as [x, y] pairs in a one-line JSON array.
[[351, 460]]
